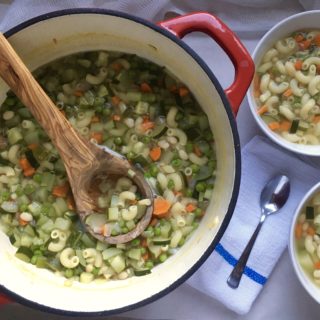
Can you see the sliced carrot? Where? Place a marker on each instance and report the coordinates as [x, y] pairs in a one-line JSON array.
[[153, 222], [24, 163], [144, 87], [105, 230], [61, 191], [317, 265], [317, 40], [299, 37], [27, 168], [263, 109], [274, 125], [98, 136], [183, 91], [22, 222], [177, 193], [33, 146], [304, 44], [173, 88], [256, 86], [298, 231], [29, 172], [116, 66], [144, 243], [285, 125], [298, 65], [287, 93], [155, 153], [95, 119], [316, 119], [70, 202], [161, 207], [318, 68], [116, 117], [145, 257], [147, 125], [197, 151], [311, 231], [190, 207], [115, 100], [78, 93]]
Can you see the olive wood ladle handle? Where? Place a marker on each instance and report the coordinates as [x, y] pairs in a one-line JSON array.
[[82, 159], [75, 151]]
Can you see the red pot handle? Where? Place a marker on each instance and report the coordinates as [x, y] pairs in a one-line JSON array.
[[229, 42], [4, 299]]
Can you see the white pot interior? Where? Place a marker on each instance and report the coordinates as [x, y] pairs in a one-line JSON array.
[[304, 20], [49, 39]]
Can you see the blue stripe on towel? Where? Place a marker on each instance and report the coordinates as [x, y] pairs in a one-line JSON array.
[[253, 275]]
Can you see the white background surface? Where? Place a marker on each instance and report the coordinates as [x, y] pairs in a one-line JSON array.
[[283, 297]]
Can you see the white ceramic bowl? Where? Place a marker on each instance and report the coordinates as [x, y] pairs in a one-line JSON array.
[[304, 20], [306, 282]]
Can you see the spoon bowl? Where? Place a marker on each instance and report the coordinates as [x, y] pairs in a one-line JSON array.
[[83, 159], [274, 195]]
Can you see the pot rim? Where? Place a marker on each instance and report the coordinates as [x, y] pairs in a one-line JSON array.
[[236, 140]]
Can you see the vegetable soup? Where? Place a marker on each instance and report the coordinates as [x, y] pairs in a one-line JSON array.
[[307, 236], [287, 87], [136, 108]]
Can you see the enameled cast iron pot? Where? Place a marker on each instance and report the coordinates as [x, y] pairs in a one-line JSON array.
[[61, 33]]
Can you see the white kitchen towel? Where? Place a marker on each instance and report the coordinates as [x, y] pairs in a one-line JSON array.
[[261, 160]]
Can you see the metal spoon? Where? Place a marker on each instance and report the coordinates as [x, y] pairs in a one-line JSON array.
[[273, 197], [83, 160]]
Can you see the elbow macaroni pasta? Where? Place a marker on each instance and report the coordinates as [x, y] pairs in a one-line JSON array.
[[288, 95]]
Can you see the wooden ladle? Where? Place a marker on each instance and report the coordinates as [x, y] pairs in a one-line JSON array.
[[83, 160]]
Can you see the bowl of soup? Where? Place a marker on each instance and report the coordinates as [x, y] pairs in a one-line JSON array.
[[304, 244], [284, 96], [149, 97]]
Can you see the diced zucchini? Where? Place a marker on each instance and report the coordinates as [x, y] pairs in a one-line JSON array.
[[140, 159], [142, 107], [62, 224], [110, 252], [87, 241], [118, 263], [35, 208], [28, 229], [159, 131], [25, 254], [161, 241], [134, 254], [294, 126], [113, 214], [26, 240], [309, 213], [60, 206], [141, 272], [114, 200], [155, 250]]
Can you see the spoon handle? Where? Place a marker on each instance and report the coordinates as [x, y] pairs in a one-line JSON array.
[[236, 274], [13, 71]]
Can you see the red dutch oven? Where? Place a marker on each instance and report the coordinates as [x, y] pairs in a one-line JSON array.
[[47, 37]]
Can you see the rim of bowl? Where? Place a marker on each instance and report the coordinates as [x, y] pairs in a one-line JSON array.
[[294, 147], [236, 143], [306, 282]]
